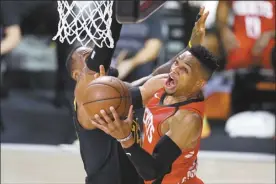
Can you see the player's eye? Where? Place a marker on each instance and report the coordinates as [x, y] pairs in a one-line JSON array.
[[184, 70]]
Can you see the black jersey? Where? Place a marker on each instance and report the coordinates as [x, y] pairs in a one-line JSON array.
[[105, 162]]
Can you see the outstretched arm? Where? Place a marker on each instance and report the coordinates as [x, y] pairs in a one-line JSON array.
[[103, 56], [226, 35]]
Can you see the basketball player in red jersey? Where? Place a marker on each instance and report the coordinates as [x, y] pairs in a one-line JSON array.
[[96, 142], [172, 121], [252, 38]]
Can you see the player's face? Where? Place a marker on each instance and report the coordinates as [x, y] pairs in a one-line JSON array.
[[184, 75]]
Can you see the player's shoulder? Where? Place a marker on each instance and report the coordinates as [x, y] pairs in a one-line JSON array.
[[187, 116]]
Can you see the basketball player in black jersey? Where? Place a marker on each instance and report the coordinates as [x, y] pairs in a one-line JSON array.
[[104, 160]]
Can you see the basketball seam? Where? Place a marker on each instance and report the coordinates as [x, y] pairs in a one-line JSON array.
[[104, 100], [121, 97], [124, 95], [108, 98]]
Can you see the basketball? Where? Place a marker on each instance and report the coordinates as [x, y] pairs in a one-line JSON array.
[[104, 92]]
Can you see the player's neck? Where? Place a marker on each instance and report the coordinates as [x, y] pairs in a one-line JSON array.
[[172, 99]]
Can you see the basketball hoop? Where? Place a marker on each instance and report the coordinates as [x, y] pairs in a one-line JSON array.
[[85, 21], [91, 21]]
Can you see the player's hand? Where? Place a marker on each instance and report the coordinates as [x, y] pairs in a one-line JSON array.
[[117, 128], [262, 42], [101, 74], [198, 32]]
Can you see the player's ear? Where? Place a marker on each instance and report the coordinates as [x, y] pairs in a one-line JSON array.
[[75, 74], [200, 83]]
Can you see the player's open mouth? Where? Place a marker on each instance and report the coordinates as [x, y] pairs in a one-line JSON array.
[[171, 82]]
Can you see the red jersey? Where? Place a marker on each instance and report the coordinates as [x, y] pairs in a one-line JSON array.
[[251, 19], [184, 168]]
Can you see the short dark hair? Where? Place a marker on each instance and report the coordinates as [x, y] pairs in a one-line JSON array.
[[207, 60], [69, 61]]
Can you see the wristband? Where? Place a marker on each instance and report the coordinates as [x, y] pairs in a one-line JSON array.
[[190, 44], [125, 139]]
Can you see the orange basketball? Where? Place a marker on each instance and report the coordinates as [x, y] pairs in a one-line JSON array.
[[104, 92]]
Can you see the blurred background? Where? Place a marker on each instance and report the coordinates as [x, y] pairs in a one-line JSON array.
[[38, 140]]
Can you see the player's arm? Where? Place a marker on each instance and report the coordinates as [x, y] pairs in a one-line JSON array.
[[225, 34], [261, 43], [222, 15], [103, 56], [184, 131]]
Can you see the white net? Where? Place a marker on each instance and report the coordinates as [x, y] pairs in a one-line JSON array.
[[85, 21]]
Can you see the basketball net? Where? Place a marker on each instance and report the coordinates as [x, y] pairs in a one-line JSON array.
[[85, 21]]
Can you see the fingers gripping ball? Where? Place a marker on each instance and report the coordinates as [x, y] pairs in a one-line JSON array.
[[105, 92]]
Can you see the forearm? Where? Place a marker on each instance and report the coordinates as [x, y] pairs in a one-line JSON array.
[[129, 86], [137, 83], [153, 166], [222, 17], [221, 26], [103, 56], [140, 82]]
